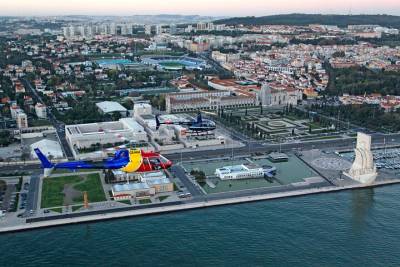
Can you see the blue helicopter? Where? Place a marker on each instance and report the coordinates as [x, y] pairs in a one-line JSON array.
[[197, 125]]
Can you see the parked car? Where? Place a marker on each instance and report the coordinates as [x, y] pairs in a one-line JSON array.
[[26, 186]]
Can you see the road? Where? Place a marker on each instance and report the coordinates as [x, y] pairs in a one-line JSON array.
[[253, 147], [256, 146], [180, 173], [33, 193], [59, 126]]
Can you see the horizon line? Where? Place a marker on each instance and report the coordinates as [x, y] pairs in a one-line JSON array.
[[198, 15]]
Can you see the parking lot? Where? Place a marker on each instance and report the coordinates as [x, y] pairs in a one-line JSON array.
[[8, 195]]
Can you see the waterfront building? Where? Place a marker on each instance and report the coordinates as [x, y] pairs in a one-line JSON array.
[[150, 183], [161, 185], [244, 171], [132, 190], [278, 157]]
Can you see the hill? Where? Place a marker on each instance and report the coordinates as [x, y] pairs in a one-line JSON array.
[[306, 19]]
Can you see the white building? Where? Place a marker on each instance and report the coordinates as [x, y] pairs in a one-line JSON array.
[[279, 95], [140, 109], [147, 29], [41, 111], [108, 107], [123, 131], [159, 29], [201, 26], [193, 101], [22, 119], [48, 147], [244, 171]]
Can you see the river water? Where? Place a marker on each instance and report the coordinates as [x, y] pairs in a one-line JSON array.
[[350, 228]]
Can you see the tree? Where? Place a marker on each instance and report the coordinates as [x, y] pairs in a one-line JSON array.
[[200, 177]]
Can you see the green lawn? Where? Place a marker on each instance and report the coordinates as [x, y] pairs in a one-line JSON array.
[[64, 171], [314, 125], [52, 189], [321, 137], [58, 210], [38, 123], [144, 201], [75, 208], [125, 201], [52, 195], [93, 187], [176, 188], [171, 65], [162, 198]]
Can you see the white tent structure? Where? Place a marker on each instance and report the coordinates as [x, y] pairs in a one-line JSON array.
[[48, 147]]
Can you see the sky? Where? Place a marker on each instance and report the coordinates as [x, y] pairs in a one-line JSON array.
[[197, 7]]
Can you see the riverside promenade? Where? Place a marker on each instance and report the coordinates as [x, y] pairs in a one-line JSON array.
[[186, 206]]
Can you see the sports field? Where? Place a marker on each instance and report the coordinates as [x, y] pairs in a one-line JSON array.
[[172, 65]]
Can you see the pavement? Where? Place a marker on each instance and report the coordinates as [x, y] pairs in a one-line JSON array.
[[190, 186], [257, 146], [33, 196]]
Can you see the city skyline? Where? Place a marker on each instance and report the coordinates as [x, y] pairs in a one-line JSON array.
[[206, 7]]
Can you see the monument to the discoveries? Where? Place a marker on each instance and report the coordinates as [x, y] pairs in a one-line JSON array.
[[363, 169]]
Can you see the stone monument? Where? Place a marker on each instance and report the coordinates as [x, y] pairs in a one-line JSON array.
[[363, 169]]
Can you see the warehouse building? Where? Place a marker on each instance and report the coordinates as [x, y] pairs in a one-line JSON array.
[[110, 107]]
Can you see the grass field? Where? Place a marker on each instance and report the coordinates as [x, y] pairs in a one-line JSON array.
[[52, 189], [52, 195], [176, 188], [125, 201], [75, 208], [162, 198], [93, 187], [145, 201], [172, 65], [58, 210]]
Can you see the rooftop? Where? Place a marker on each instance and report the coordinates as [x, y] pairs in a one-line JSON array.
[[110, 107], [238, 168], [128, 187], [158, 181]]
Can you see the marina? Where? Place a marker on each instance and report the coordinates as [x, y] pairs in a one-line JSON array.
[[385, 158]]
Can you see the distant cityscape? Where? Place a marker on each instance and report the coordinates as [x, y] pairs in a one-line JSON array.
[[164, 113]]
